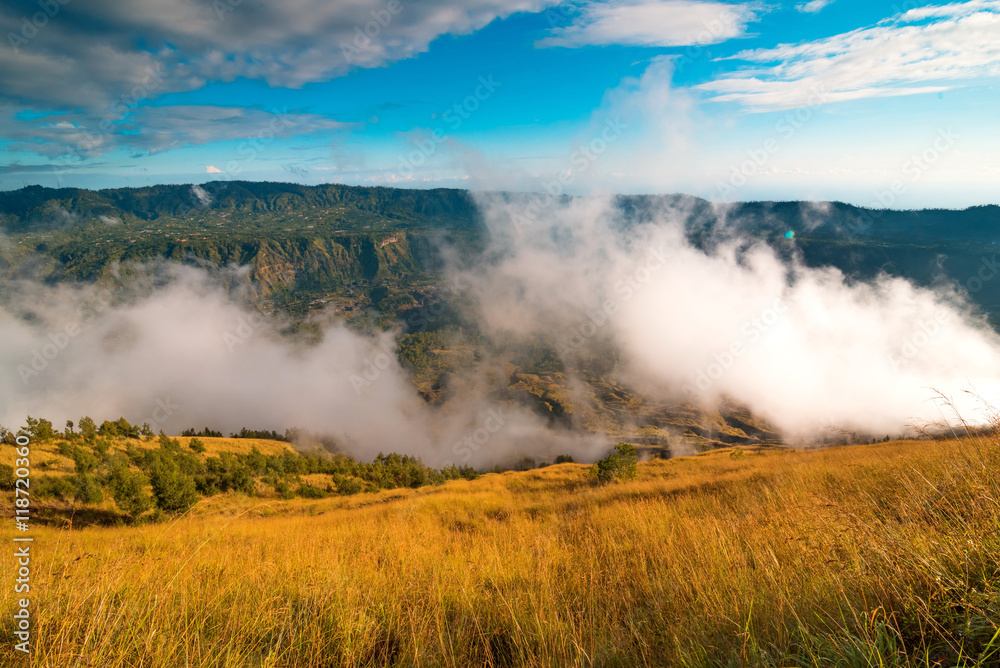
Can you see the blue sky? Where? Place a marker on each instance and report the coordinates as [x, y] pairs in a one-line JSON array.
[[870, 103]]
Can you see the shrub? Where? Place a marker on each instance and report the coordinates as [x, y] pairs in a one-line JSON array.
[[310, 492], [88, 428], [623, 464], [224, 473], [209, 433], [175, 491], [169, 444], [6, 477], [197, 445], [40, 429], [101, 447], [346, 486], [118, 428], [128, 489], [87, 488], [83, 461], [53, 487]]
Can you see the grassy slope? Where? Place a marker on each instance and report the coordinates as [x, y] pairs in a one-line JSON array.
[[59, 464], [860, 555]]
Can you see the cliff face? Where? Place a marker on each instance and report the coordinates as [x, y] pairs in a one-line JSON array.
[[293, 268], [329, 264]]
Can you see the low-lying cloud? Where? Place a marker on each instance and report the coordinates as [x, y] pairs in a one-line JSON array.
[[804, 348], [180, 350], [731, 320]]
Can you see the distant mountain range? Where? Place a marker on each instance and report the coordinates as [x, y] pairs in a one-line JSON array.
[[372, 256], [303, 241]]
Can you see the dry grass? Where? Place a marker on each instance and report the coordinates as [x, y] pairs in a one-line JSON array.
[[46, 460], [240, 446], [851, 556]]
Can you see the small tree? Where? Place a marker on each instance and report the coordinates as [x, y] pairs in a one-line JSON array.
[[87, 489], [6, 477], [622, 464], [174, 491], [197, 445], [40, 429], [88, 428], [83, 461], [128, 489]]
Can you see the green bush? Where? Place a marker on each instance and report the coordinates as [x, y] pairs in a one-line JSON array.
[[224, 473], [47, 487], [346, 486], [622, 464], [128, 489], [174, 490], [40, 429], [101, 447], [310, 492], [87, 488], [6, 477], [83, 461], [88, 428], [197, 445]]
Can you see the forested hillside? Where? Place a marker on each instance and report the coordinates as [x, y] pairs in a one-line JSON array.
[[372, 256]]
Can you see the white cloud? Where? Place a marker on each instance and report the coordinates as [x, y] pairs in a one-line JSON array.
[[813, 7], [953, 45], [954, 9], [202, 195], [212, 169], [149, 130], [118, 61], [106, 52], [653, 23], [834, 350]]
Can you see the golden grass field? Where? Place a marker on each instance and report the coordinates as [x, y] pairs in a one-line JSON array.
[[867, 555]]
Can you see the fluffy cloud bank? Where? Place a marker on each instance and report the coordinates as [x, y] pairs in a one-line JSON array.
[[922, 50]]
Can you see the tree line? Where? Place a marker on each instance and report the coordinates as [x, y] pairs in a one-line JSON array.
[[150, 482]]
